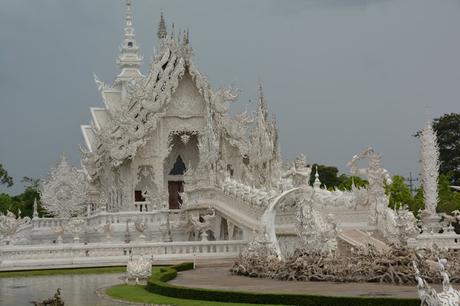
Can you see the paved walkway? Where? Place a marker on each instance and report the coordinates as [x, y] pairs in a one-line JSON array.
[[220, 278]]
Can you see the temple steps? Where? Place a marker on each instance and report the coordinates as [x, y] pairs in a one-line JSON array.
[[359, 238]]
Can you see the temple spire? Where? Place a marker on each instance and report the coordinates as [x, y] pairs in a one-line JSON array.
[[129, 59], [162, 33], [261, 104], [317, 182]]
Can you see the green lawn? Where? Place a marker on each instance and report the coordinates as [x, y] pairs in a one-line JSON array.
[[138, 293]]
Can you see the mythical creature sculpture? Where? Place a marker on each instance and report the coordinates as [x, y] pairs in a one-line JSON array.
[[222, 98], [317, 233], [399, 225], [138, 269], [140, 227], [10, 225], [75, 226], [200, 224], [377, 177], [299, 173], [63, 193], [107, 229], [429, 297], [59, 231]]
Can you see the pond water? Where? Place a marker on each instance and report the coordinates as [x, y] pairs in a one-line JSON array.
[[76, 290]]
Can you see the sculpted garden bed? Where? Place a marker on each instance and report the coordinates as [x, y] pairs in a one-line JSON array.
[[394, 266]]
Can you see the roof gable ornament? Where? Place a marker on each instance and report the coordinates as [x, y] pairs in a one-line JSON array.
[[129, 59], [63, 193]]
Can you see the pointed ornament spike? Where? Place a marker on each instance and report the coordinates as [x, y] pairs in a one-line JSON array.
[[162, 33]]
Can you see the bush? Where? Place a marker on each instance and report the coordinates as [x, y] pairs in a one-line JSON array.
[[157, 284]]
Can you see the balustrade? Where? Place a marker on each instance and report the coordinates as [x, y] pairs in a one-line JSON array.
[[11, 256]]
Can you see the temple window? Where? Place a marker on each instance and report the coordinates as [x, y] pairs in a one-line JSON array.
[[138, 196], [179, 167]]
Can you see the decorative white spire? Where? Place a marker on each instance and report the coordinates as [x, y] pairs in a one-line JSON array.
[[317, 183], [429, 153], [162, 33], [261, 104], [129, 59], [35, 212]]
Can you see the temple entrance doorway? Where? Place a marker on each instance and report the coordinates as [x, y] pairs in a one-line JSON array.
[[174, 188], [183, 155]]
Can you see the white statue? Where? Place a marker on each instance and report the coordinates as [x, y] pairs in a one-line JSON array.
[[299, 172], [377, 177], [140, 227], [201, 224], [107, 229], [59, 231], [75, 226], [317, 233], [10, 225], [138, 269], [429, 297]]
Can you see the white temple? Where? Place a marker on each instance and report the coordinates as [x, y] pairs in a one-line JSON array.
[[167, 172]]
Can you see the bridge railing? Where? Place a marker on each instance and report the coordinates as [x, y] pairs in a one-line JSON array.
[[71, 254]]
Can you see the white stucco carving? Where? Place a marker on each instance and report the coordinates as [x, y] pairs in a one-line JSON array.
[[138, 269], [10, 225], [63, 193], [429, 297], [429, 156], [317, 233]]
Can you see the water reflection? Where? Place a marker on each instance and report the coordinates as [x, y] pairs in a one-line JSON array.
[[77, 290]]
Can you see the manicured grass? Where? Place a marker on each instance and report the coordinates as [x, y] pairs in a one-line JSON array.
[[68, 271], [138, 293]]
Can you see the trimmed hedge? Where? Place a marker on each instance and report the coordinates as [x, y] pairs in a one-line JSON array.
[[157, 283]]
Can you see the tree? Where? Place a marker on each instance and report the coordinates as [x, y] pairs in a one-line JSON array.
[[31, 182], [24, 201], [418, 203], [449, 200], [327, 175], [5, 179], [346, 182], [447, 128], [399, 193], [9, 203]]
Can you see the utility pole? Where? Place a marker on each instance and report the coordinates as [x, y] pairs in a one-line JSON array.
[[411, 181]]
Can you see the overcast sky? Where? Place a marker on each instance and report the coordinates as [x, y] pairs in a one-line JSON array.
[[339, 75]]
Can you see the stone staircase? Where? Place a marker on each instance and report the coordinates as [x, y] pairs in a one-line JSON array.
[[358, 238]]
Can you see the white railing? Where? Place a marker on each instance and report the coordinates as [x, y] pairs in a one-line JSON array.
[[449, 240], [101, 217], [97, 254]]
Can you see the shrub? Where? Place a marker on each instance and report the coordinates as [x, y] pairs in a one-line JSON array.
[[157, 284]]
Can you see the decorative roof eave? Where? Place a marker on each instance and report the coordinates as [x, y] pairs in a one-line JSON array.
[[159, 85]]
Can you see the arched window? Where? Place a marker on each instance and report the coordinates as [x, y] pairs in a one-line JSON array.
[[179, 167]]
